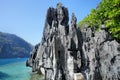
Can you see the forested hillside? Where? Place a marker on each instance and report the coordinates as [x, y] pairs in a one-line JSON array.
[[12, 46], [107, 13]]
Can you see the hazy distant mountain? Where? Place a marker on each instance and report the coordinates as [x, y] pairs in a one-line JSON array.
[[12, 46]]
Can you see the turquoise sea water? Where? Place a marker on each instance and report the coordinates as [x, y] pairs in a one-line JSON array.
[[15, 69]]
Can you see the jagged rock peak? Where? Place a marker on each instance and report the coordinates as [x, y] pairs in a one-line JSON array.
[[67, 53], [59, 15], [73, 20], [60, 46]]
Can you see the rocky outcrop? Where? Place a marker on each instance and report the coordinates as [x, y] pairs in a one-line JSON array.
[[68, 53], [102, 56]]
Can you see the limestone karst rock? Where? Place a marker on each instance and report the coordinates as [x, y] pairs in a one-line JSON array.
[[68, 53]]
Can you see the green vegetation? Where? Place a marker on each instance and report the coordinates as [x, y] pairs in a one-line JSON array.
[[107, 13], [12, 46]]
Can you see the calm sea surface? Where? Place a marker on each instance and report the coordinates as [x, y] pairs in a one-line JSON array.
[[15, 69]]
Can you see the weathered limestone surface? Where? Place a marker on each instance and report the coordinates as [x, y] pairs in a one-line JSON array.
[[68, 53]]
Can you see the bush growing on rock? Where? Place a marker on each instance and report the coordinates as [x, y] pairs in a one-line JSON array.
[[107, 13]]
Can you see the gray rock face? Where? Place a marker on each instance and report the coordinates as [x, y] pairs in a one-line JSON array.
[[67, 53], [100, 53]]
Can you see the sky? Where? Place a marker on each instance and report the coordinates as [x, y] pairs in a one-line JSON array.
[[26, 18]]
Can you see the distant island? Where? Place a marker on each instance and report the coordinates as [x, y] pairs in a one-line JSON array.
[[12, 46]]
